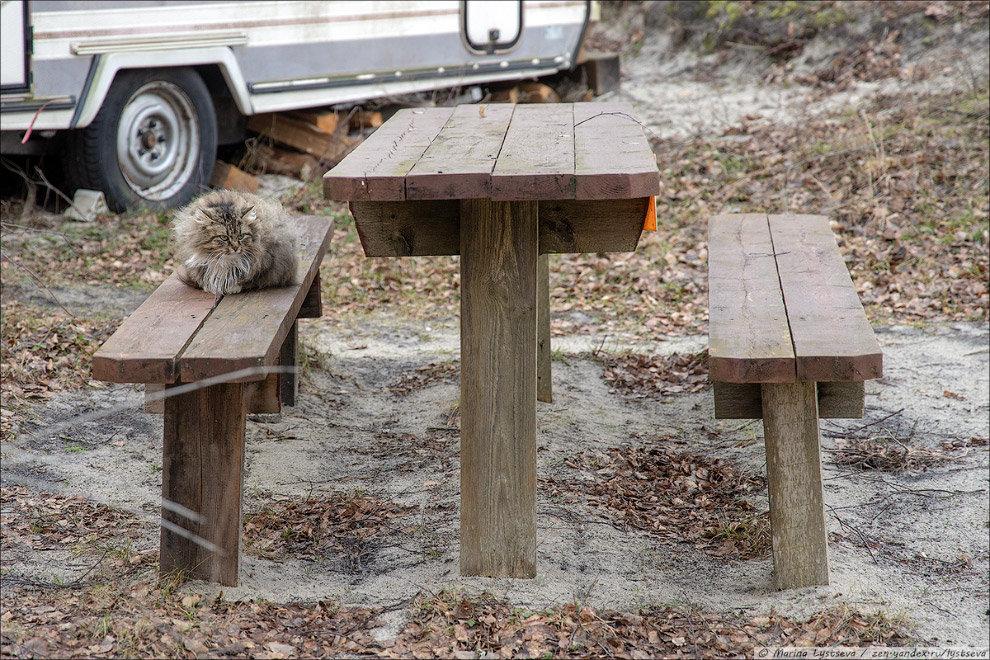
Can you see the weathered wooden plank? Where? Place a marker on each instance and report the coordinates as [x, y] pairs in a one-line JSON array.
[[202, 471], [153, 403], [459, 162], [247, 330], [749, 338], [145, 346], [498, 388], [821, 298], [841, 399], [794, 484], [230, 177], [289, 357], [432, 227], [537, 157], [836, 400], [377, 169], [265, 396], [544, 386], [612, 157], [312, 305], [613, 225], [301, 135], [408, 229]]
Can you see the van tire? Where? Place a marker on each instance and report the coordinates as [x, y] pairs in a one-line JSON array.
[[153, 143]]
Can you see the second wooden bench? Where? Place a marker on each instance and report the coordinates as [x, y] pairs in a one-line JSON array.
[[206, 369], [789, 342]]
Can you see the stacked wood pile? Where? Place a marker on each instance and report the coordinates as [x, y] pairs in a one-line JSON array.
[[302, 144]]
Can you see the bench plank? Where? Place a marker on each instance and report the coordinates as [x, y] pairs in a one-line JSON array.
[[459, 162], [612, 157], [537, 158], [820, 296], [170, 316], [248, 330], [376, 171], [749, 339]]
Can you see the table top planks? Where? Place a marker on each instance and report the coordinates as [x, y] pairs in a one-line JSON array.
[[459, 162], [505, 152], [783, 307], [612, 158], [537, 157], [174, 336], [376, 170]]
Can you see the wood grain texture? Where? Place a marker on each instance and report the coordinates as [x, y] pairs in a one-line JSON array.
[[836, 400], [544, 385], [537, 157], [749, 338], [301, 135], [432, 227], [408, 229], [202, 470], [289, 357], [794, 483], [501, 151], [312, 305], [460, 161], [265, 396], [498, 388], [376, 170], [591, 226], [832, 337], [150, 344], [247, 329], [612, 157], [145, 346]]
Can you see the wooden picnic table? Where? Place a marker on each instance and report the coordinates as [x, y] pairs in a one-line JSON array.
[[500, 185]]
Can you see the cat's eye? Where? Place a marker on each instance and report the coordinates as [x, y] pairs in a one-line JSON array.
[[245, 237]]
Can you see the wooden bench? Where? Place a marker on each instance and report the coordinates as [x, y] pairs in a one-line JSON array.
[[789, 342], [206, 369]]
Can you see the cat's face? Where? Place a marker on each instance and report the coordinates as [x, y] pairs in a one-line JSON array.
[[225, 230]]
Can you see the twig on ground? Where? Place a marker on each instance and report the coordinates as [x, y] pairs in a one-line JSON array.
[[866, 543], [38, 282]]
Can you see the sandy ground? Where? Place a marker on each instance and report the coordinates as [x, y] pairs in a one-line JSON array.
[[911, 544], [928, 555]]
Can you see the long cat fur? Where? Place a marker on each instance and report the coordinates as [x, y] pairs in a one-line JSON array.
[[228, 241]]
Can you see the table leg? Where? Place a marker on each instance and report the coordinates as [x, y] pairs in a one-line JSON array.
[[794, 482], [499, 253], [544, 388], [202, 472]]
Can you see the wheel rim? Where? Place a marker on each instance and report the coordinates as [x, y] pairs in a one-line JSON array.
[[158, 141]]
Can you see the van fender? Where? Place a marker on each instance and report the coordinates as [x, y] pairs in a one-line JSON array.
[[106, 65]]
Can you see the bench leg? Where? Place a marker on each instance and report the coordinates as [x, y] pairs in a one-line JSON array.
[[202, 471], [794, 475], [544, 389], [499, 256], [289, 357]]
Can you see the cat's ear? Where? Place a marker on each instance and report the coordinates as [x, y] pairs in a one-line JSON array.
[[202, 216], [250, 214]]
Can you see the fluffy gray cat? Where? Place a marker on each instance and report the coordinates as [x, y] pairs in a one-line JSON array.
[[229, 241]]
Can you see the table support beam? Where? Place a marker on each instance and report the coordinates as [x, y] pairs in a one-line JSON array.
[[499, 244], [794, 482]]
